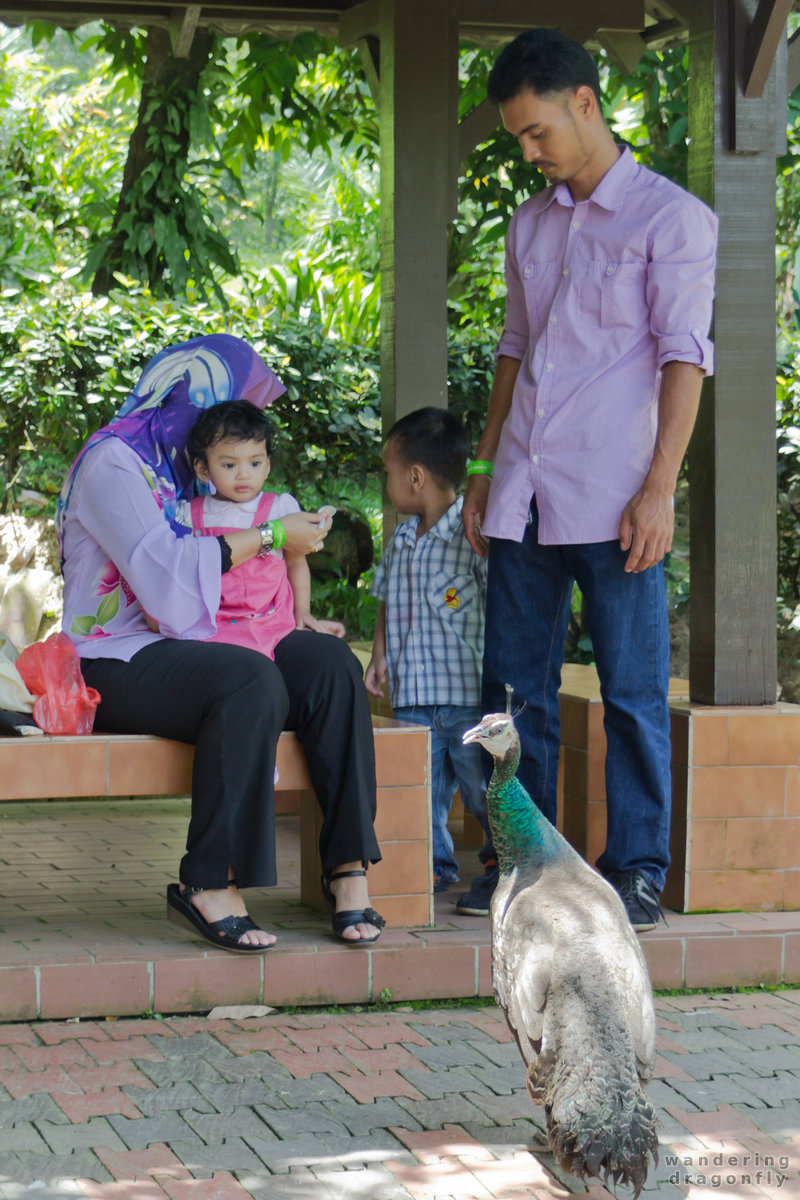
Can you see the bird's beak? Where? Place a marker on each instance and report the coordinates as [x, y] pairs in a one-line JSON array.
[[472, 735]]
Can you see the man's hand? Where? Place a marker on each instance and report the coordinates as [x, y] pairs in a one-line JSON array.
[[648, 520], [646, 528], [375, 675], [474, 511]]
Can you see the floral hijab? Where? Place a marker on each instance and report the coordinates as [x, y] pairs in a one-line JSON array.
[[156, 418]]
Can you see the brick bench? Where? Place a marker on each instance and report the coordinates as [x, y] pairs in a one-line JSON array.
[[99, 765]]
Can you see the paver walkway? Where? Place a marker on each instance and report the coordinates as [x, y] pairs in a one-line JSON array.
[[394, 1105]]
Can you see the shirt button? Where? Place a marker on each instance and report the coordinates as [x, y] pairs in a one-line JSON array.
[[528, 272], [565, 271], [553, 319], [696, 333], [541, 412], [535, 458], [610, 270], [548, 366], [576, 224]]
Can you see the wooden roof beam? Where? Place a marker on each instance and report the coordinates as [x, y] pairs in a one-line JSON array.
[[624, 49], [182, 24], [359, 22], [766, 33], [477, 127], [508, 17]]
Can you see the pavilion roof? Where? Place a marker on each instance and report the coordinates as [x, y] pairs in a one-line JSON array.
[[486, 22]]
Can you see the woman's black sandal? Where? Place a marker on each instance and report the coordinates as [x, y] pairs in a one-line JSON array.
[[223, 934], [350, 916]]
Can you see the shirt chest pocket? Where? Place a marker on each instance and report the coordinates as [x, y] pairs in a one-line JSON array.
[[612, 294], [540, 280], [451, 597]]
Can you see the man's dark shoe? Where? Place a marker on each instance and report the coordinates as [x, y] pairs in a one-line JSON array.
[[475, 903], [642, 901]]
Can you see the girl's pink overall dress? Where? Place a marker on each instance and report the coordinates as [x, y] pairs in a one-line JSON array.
[[256, 608]]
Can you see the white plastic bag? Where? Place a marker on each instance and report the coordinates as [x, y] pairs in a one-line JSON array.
[[14, 696]]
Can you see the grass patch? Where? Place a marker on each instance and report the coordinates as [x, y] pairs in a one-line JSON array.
[[726, 991], [384, 1003]]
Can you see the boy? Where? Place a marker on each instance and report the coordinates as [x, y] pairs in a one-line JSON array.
[[429, 632]]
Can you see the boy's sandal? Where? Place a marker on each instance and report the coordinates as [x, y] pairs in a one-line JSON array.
[[349, 916], [223, 934]]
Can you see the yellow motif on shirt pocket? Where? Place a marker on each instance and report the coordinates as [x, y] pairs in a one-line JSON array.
[[452, 598]]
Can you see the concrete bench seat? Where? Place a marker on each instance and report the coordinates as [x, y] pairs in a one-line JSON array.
[[40, 767]]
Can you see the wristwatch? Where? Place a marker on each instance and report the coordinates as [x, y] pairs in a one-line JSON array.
[[267, 532]]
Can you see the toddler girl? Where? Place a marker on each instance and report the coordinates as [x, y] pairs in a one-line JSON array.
[[268, 596]]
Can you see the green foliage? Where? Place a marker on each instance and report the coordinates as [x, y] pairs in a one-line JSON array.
[[256, 103], [788, 434], [330, 410], [649, 109], [339, 297], [787, 257], [62, 137], [352, 605], [166, 230], [67, 365], [60, 381], [470, 370]]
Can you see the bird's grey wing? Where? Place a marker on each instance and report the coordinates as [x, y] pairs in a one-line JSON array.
[[625, 963], [522, 955], [641, 1015]]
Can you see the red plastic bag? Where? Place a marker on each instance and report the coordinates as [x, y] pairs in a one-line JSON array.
[[51, 670]]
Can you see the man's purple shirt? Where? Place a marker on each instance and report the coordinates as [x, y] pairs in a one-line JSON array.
[[600, 295]]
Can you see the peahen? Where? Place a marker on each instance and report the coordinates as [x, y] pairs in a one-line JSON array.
[[571, 979]]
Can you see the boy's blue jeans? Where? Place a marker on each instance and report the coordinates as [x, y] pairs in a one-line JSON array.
[[452, 765], [527, 613]]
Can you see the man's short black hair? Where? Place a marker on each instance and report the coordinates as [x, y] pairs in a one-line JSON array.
[[232, 420], [544, 60], [436, 440]]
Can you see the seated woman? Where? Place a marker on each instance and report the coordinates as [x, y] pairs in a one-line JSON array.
[[140, 597]]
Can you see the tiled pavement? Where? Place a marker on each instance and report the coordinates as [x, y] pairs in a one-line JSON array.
[[83, 929], [376, 1105]]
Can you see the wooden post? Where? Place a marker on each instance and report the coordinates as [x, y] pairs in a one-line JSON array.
[[419, 121], [733, 647]]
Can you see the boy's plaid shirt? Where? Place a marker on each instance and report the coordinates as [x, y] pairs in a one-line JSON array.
[[435, 594]]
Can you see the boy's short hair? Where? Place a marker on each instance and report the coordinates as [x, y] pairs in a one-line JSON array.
[[232, 420], [546, 61], [436, 440]]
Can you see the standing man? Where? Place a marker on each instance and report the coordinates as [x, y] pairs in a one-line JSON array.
[[610, 279]]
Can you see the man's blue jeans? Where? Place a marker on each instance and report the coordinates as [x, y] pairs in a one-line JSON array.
[[452, 765], [527, 614]]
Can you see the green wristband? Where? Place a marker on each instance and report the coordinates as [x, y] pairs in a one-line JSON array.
[[480, 466], [278, 534]]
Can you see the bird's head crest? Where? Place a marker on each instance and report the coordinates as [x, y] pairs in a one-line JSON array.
[[496, 731]]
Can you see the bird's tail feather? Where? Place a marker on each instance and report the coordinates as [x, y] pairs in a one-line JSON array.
[[605, 1127]]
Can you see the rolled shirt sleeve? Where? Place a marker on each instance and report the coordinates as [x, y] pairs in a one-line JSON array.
[[515, 337], [680, 284]]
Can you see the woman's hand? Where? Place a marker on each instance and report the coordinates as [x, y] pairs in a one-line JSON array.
[[306, 621], [305, 532]]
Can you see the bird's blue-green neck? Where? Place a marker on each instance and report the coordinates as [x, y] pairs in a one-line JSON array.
[[521, 833]]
